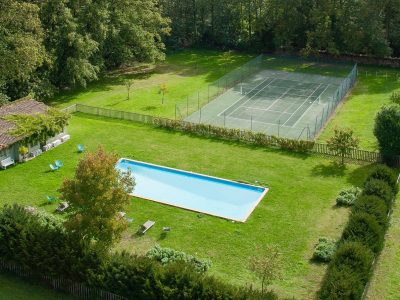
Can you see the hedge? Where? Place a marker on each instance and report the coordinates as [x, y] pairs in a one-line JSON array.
[[379, 188], [38, 242], [348, 272], [362, 239], [374, 206], [259, 139]]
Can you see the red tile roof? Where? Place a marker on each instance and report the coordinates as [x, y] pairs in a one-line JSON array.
[[25, 106]]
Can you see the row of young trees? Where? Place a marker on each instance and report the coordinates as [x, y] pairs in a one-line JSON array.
[[50, 44], [351, 26]]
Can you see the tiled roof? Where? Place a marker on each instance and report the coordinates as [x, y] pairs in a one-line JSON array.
[[24, 106]]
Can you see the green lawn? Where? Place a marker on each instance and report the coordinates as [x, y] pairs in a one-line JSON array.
[[183, 72], [14, 288], [298, 209]]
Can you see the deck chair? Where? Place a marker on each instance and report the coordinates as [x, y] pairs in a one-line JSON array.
[[51, 199], [63, 206], [53, 168], [81, 148], [146, 226], [58, 164]]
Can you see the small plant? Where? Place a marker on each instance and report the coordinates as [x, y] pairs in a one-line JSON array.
[[23, 151], [163, 91], [324, 249], [395, 97], [347, 197], [168, 255], [128, 85]]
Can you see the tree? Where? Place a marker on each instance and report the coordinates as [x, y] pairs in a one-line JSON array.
[[342, 142], [163, 91], [387, 131], [129, 84], [266, 265], [96, 195]]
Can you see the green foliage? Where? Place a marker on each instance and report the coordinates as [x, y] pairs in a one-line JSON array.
[[23, 150], [374, 206], [40, 127], [167, 255], [363, 228], [387, 130], [324, 249], [96, 195], [347, 197], [246, 136], [348, 272], [381, 189], [395, 97], [386, 174], [38, 241], [342, 142]]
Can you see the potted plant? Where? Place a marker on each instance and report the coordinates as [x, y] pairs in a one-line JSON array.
[[23, 151]]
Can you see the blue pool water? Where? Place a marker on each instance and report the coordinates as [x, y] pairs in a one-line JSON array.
[[201, 193]]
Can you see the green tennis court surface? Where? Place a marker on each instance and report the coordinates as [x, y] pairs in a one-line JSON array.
[[293, 105]]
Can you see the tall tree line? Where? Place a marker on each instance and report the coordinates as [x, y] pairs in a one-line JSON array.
[[46, 45], [370, 27]]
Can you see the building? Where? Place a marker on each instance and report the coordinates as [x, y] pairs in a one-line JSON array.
[[9, 144]]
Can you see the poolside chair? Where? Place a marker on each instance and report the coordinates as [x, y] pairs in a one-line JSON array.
[[166, 229], [53, 168], [146, 226], [81, 148], [58, 164], [51, 199], [63, 206]]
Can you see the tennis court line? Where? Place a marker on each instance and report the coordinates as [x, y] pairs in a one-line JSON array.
[[247, 99], [310, 106], [255, 121], [275, 111], [303, 104], [221, 113]]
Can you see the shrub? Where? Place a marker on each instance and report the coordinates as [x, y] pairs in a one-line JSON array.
[[395, 97], [387, 131], [348, 272], [168, 255], [363, 228], [386, 174], [374, 206], [379, 188], [348, 196], [324, 249]]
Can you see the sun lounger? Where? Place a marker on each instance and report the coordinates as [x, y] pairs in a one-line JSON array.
[[51, 199], [58, 164], [63, 206], [146, 226], [81, 148], [53, 167], [4, 163], [65, 138], [56, 143]]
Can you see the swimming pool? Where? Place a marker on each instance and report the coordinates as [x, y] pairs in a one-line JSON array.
[[201, 193]]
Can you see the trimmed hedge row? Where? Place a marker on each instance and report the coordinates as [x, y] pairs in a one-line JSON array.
[[38, 242], [362, 239], [247, 136]]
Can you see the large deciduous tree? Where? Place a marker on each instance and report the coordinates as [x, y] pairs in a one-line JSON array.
[[96, 195]]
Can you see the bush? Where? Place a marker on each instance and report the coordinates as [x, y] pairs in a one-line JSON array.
[[168, 255], [348, 272], [363, 228], [387, 131], [386, 174], [374, 206], [348, 196], [324, 249], [395, 97], [379, 188]]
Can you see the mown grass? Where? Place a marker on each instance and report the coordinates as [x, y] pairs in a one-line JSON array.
[[183, 72], [14, 288], [298, 209]]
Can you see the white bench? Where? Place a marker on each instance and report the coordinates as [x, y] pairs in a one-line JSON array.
[[56, 143], [6, 162], [65, 138]]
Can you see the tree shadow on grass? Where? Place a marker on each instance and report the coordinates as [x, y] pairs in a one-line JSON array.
[[333, 169]]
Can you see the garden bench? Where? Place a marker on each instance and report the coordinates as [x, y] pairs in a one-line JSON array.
[[6, 162], [146, 226], [63, 206]]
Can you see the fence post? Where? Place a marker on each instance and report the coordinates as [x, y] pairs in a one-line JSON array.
[[224, 120], [279, 125], [198, 100], [187, 106], [200, 116], [251, 123], [175, 111]]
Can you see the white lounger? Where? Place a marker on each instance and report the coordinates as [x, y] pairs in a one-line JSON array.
[[6, 162], [146, 226], [65, 138]]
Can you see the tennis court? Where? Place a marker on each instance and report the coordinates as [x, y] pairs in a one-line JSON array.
[[293, 105]]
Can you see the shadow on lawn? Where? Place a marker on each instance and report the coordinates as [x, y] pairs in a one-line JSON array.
[[333, 169]]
